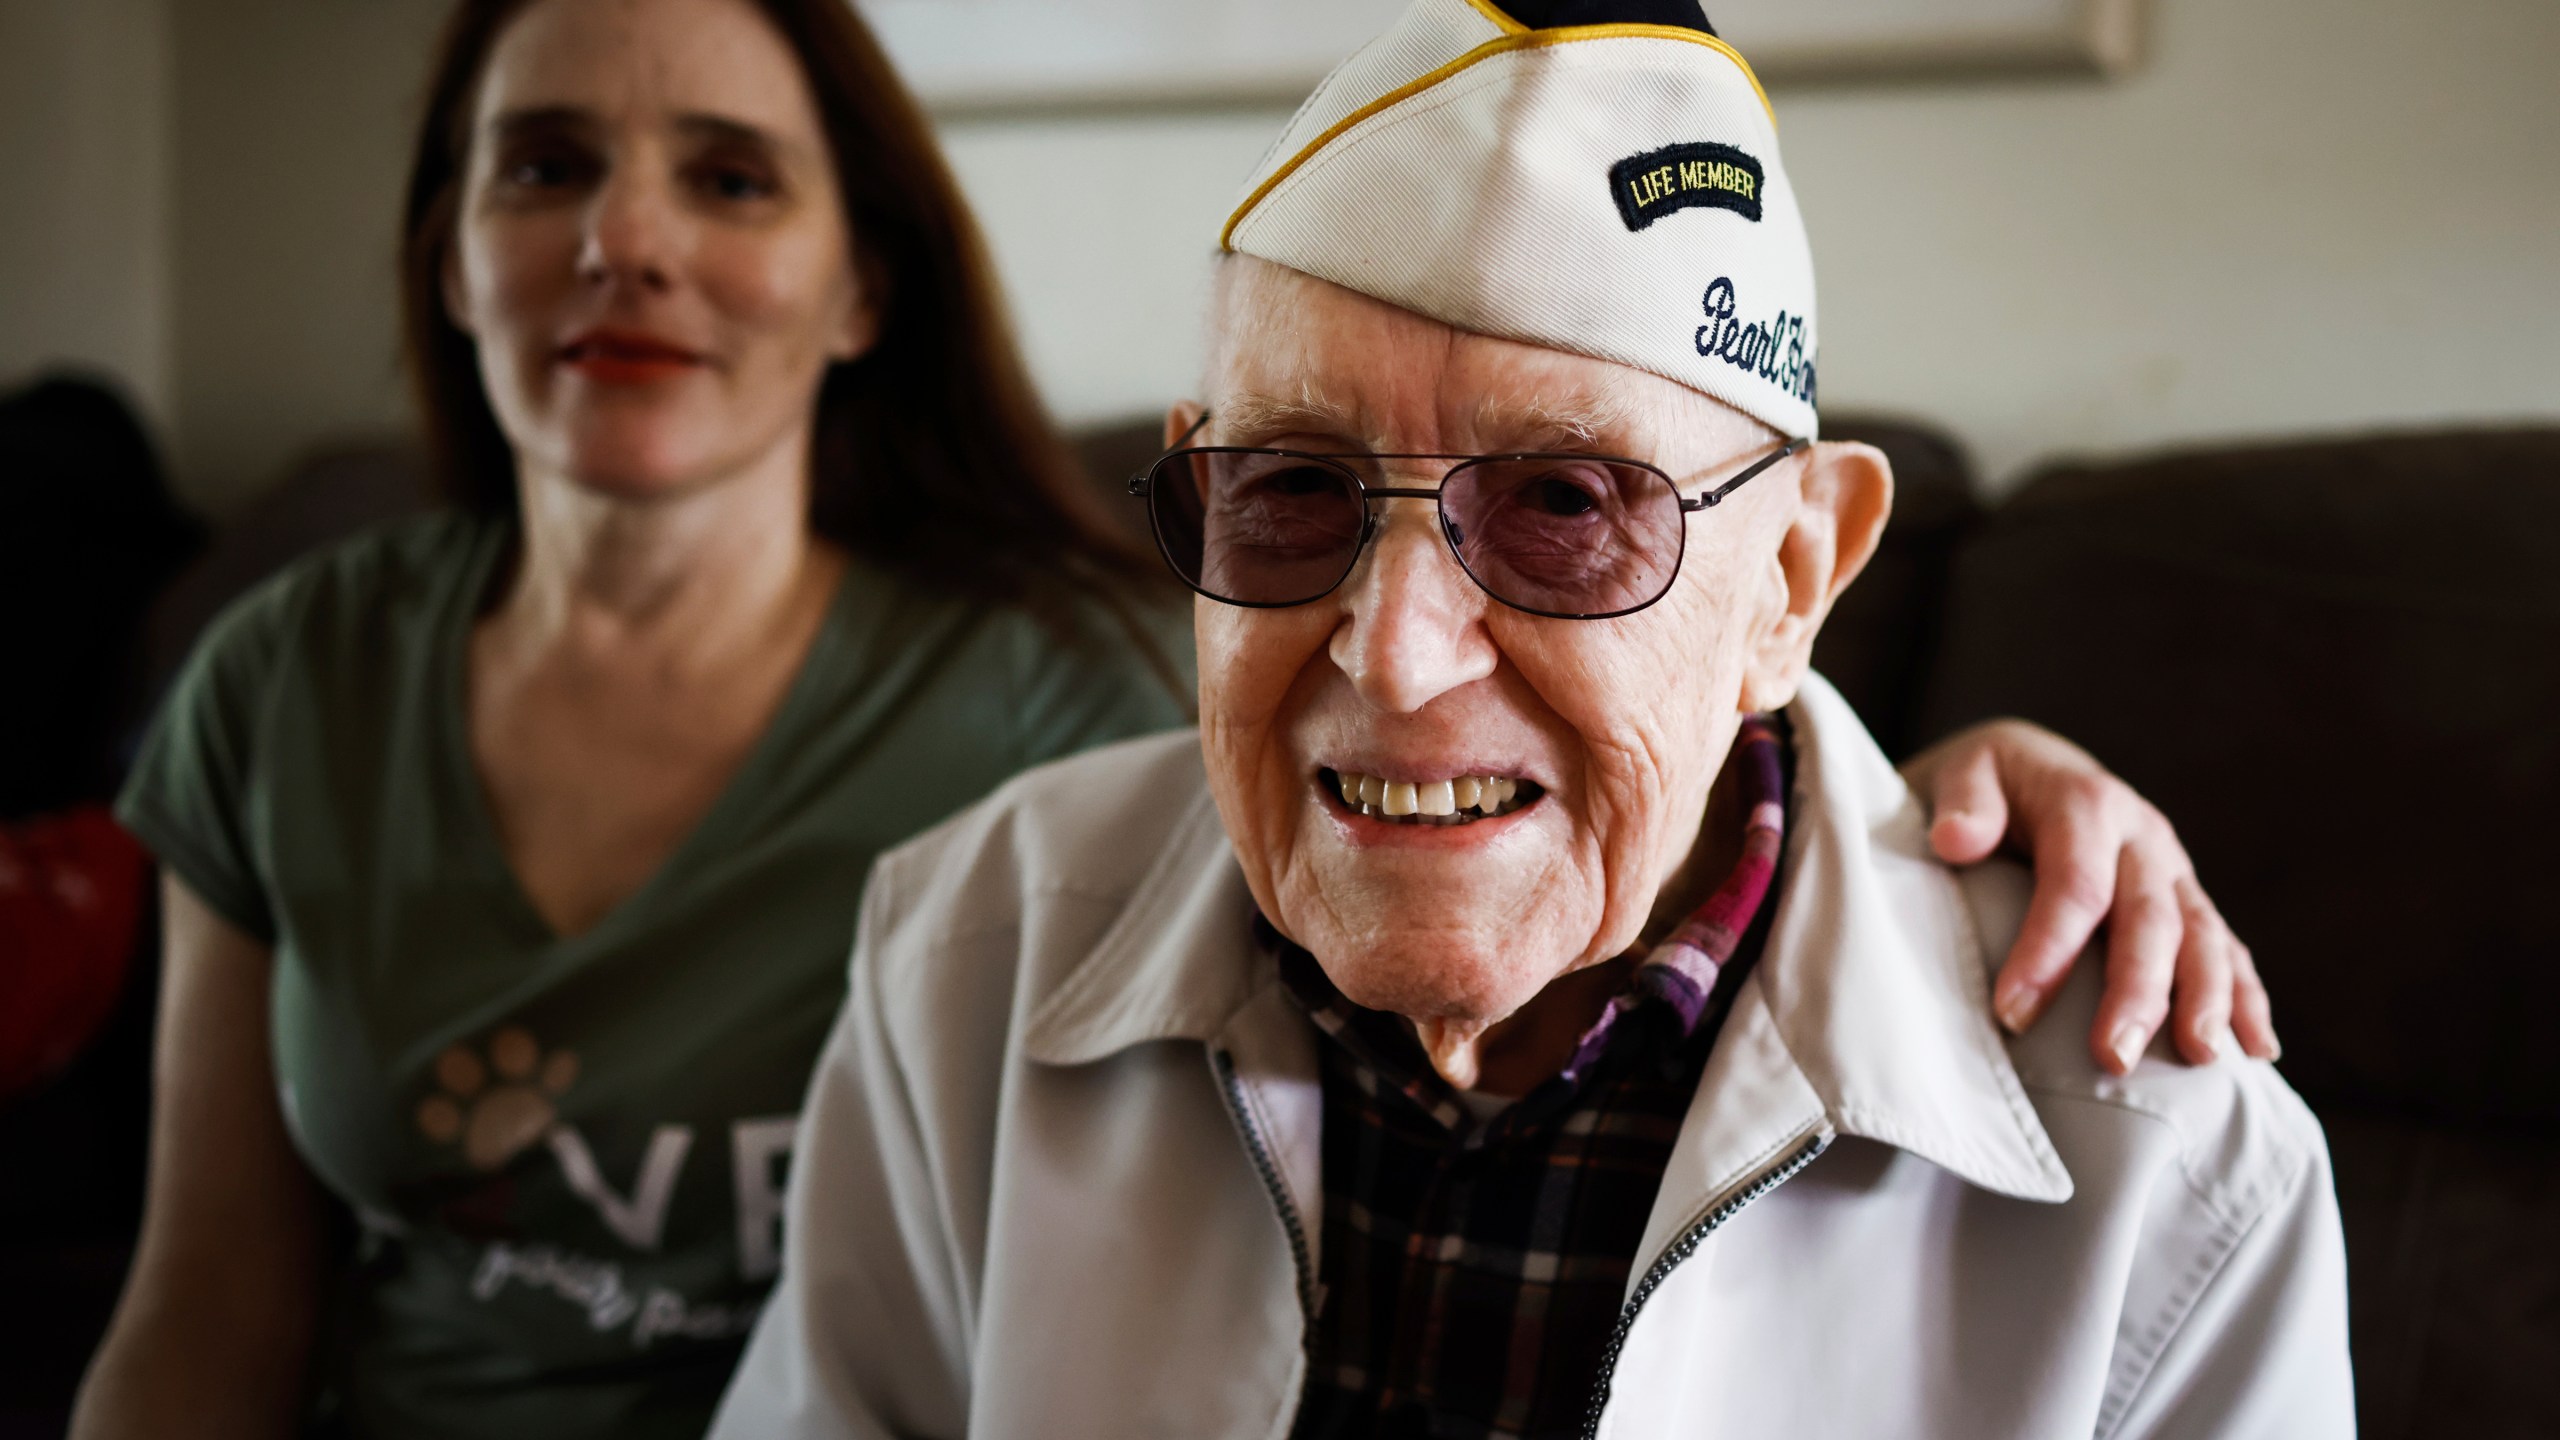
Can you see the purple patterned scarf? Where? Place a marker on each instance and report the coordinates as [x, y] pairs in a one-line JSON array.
[[1681, 971]]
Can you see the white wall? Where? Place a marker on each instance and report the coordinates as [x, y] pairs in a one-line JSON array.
[[84, 165], [293, 124], [2305, 215], [2299, 215]]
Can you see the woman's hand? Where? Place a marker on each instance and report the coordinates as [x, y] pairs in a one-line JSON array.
[[2101, 853]]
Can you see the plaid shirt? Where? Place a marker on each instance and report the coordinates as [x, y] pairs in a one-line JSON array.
[[1473, 1271]]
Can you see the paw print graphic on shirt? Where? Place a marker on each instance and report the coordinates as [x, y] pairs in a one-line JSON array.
[[495, 1107]]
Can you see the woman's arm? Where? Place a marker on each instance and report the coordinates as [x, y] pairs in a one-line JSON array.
[[213, 1333], [2101, 854]]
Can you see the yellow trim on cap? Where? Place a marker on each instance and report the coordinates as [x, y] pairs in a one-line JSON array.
[[1518, 39]]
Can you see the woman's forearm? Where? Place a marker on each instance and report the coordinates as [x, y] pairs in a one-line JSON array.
[[213, 1334], [208, 1354]]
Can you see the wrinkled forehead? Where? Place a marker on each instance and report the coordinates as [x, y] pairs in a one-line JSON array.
[[1294, 356]]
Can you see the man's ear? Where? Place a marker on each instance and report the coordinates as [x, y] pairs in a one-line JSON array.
[[1179, 420], [1843, 498]]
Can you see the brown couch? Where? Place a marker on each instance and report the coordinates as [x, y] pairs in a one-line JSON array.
[[2336, 666]]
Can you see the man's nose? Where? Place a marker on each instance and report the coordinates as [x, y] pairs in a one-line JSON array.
[[1415, 622], [631, 231]]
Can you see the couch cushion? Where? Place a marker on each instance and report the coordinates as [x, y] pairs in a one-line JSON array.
[[2336, 667], [2453, 1273], [1882, 635]]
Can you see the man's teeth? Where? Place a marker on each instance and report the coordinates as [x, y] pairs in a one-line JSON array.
[[1433, 802]]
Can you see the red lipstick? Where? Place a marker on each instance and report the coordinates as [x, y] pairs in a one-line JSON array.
[[627, 357]]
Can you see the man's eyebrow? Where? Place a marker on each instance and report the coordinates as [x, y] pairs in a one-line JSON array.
[[1530, 424], [1248, 418], [1536, 424]]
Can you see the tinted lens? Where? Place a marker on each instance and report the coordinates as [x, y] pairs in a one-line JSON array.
[[1255, 527], [1566, 535]]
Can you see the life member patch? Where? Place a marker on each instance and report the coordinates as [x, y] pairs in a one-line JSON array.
[[1684, 177]]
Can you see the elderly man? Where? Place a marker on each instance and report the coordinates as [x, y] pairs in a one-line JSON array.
[[1530, 1005]]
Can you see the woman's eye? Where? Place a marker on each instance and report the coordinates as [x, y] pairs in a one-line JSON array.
[[737, 184], [545, 171]]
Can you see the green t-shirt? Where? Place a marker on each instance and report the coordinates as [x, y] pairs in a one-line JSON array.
[[565, 1156]]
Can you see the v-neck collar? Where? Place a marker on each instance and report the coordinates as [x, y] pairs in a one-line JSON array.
[[479, 818]]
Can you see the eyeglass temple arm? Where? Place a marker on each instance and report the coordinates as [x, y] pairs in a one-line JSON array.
[[1710, 499], [1138, 482]]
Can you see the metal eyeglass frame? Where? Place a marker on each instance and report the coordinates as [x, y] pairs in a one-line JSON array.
[[1141, 484]]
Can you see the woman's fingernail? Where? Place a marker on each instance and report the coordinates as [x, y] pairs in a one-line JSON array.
[[2126, 1045], [2017, 1010]]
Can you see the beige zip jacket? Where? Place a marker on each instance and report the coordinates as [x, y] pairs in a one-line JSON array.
[[1058, 1176]]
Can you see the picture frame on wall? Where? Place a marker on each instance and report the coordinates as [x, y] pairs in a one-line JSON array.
[[996, 57]]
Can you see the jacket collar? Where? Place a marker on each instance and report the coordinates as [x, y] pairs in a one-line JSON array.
[[1178, 962], [1876, 980], [1868, 1014]]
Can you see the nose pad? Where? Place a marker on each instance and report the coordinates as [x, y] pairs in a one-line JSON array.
[[1449, 527]]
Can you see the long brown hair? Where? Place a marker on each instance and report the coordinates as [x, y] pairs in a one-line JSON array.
[[932, 455]]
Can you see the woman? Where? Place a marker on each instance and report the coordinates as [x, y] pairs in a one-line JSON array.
[[513, 854]]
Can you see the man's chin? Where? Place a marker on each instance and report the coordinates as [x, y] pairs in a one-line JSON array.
[[1452, 987]]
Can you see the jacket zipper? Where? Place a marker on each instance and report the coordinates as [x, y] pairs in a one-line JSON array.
[[1678, 1251], [1264, 1166]]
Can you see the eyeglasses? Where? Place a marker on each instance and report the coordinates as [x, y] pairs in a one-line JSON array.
[[1571, 537]]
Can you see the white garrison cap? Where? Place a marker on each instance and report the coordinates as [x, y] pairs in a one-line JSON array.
[[1609, 188]]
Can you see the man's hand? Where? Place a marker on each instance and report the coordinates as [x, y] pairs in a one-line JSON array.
[[2101, 853]]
